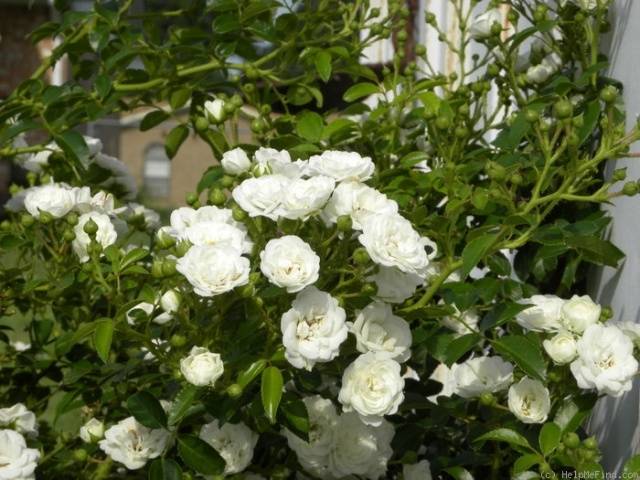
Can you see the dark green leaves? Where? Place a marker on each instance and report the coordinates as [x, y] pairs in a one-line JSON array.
[[309, 126], [632, 467], [147, 410], [322, 62], [505, 435], [596, 250], [183, 401], [103, 337], [175, 139], [475, 250], [524, 352], [73, 144], [165, 469], [360, 90], [200, 456], [271, 391], [152, 119], [549, 438]]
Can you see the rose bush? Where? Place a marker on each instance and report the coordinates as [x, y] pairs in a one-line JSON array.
[[386, 286]]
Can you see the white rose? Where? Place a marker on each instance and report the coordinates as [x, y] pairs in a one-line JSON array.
[[105, 236], [235, 162], [134, 314], [262, 196], [201, 367], [290, 263], [395, 286], [18, 461], [482, 374], [360, 449], [313, 329], [529, 401], [578, 313], [342, 166], [170, 301], [272, 161], [217, 234], [543, 315], [417, 471], [377, 329], [20, 346], [55, 199], [215, 109], [359, 201], [391, 241], [605, 360], [562, 348], [373, 387], [540, 73], [233, 441], [184, 217], [304, 197], [132, 209], [213, 270], [323, 420], [481, 25], [133, 444], [444, 375], [462, 322], [19, 418], [92, 431]]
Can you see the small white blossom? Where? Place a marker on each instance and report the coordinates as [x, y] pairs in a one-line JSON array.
[[313, 329], [578, 313], [543, 315], [529, 401], [605, 360], [359, 201], [19, 418], [480, 375], [290, 263], [215, 109], [132, 444], [262, 196], [92, 431], [377, 329], [105, 236], [235, 162], [17, 461], [213, 270], [481, 25], [417, 471], [372, 386], [304, 197], [562, 348], [342, 166], [55, 199], [233, 441], [395, 286], [201, 367]]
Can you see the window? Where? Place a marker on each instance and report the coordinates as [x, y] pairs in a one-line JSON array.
[[157, 172]]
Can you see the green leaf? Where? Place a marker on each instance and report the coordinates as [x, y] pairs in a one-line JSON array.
[[309, 126], [250, 373], [102, 85], [73, 144], [511, 136], [152, 119], [103, 337], [549, 438], [133, 256], [322, 61], [179, 97], [590, 120], [271, 391], [505, 435], [459, 346], [458, 473], [165, 469], [596, 250], [147, 410], [501, 313], [200, 456], [184, 399], [413, 158], [632, 467], [475, 250], [525, 462], [524, 352], [296, 418], [226, 23], [175, 138], [211, 176], [360, 90]]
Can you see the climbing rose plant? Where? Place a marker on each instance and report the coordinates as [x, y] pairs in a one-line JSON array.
[[389, 285]]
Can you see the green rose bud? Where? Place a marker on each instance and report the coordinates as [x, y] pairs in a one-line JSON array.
[[247, 291], [178, 341], [369, 289], [234, 390], [164, 240], [168, 267], [619, 175], [630, 189], [562, 109], [360, 256], [45, 217], [80, 454], [69, 235], [226, 181], [217, 197], [606, 313], [420, 50], [5, 225], [443, 122], [238, 214], [344, 223], [201, 124], [156, 269], [191, 198], [609, 94], [258, 125], [571, 440], [90, 228], [182, 247], [487, 399], [72, 218], [531, 116], [236, 100]]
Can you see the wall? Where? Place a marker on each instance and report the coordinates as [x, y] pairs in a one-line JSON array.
[[617, 421]]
